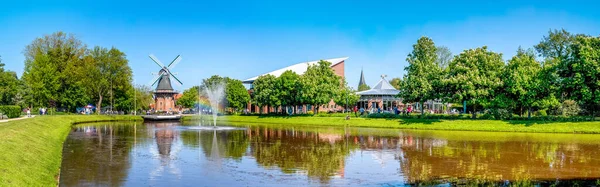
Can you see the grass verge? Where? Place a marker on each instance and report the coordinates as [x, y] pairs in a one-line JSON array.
[[31, 149], [587, 127]]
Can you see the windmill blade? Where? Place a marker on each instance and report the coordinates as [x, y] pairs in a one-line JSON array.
[[156, 79], [178, 81], [156, 60], [174, 62]]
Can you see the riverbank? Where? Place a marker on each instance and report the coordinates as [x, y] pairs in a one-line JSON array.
[[31, 149], [534, 126]]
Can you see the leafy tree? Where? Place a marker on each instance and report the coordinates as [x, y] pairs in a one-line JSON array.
[[396, 82], [143, 97], [287, 83], [520, 79], [50, 64], [106, 71], [556, 45], [189, 97], [264, 91], [213, 81], [474, 76], [569, 108], [346, 96], [9, 86], [319, 84], [42, 81], [236, 94], [556, 49], [444, 56], [363, 87], [581, 76], [422, 73]]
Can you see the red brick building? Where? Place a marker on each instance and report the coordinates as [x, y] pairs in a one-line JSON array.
[[337, 64], [165, 96]]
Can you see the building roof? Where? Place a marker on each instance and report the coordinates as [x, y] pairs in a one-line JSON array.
[[362, 78], [165, 82], [383, 87], [298, 68]]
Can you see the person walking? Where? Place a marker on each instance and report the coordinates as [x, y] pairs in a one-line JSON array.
[[28, 112], [355, 111]]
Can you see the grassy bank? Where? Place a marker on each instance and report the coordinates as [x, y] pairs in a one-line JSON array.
[[588, 127], [31, 149]]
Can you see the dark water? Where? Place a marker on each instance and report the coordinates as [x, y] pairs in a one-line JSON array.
[[175, 154]]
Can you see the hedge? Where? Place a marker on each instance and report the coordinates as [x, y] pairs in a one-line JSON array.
[[12, 111]]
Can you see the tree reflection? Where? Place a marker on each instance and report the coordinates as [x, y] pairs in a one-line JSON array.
[[320, 155], [521, 161], [97, 155]]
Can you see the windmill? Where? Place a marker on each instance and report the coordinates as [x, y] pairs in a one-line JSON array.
[[164, 94], [165, 71]]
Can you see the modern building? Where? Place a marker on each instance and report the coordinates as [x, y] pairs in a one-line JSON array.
[[337, 64], [164, 94], [382, 95]]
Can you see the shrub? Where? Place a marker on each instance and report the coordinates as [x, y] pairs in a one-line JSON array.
[[382, 115], [12, 111], [569, 108], [496, 113], [541, 113]]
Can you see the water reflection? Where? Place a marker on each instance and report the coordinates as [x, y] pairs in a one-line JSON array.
[[175, 154]]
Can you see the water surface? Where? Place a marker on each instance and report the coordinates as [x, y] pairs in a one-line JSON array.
[[175, 154]]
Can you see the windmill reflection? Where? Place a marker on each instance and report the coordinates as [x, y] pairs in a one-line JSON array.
[[166, 136]]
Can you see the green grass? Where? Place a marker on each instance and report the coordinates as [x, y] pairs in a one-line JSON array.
[[587, 127], [31, 149]]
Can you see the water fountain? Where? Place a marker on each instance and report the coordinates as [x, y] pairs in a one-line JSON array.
[[215, 94]]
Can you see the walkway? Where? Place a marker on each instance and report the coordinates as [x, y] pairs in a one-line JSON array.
[[14, 119]]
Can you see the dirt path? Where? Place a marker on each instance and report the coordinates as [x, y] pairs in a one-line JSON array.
[[14, 119]]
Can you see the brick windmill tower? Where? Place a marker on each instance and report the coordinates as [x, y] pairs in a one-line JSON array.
[[164, 94]]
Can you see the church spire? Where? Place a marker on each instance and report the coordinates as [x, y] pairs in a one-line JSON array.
[[362, 78]]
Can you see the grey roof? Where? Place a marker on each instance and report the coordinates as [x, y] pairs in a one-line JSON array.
[[165, 82], [383, 87], [299, 68], [362, 78]]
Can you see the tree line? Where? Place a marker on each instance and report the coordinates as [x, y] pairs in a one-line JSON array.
[[61, 72], [236, 95], [557, 76], [316, 87]]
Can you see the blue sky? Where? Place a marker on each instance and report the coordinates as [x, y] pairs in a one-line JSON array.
[[242, 39]]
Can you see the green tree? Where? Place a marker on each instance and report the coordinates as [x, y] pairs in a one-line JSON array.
[[521, 79], [189, 97], [213, 81], [287, 83], [423, 73], [556, 49], [107, 72], [444, 56], [143, 97], [265, 93], [41, 78], [51, 63], [557, 45], [581, 76], [236, 94], [474, 76], [346, 96], [9, 86], [395, 82], [363, 87], [319, 84]]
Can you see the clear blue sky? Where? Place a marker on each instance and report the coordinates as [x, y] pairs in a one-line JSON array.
[[246, 38]]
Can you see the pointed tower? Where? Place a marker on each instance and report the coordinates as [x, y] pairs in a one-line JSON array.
[[362, 78]]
